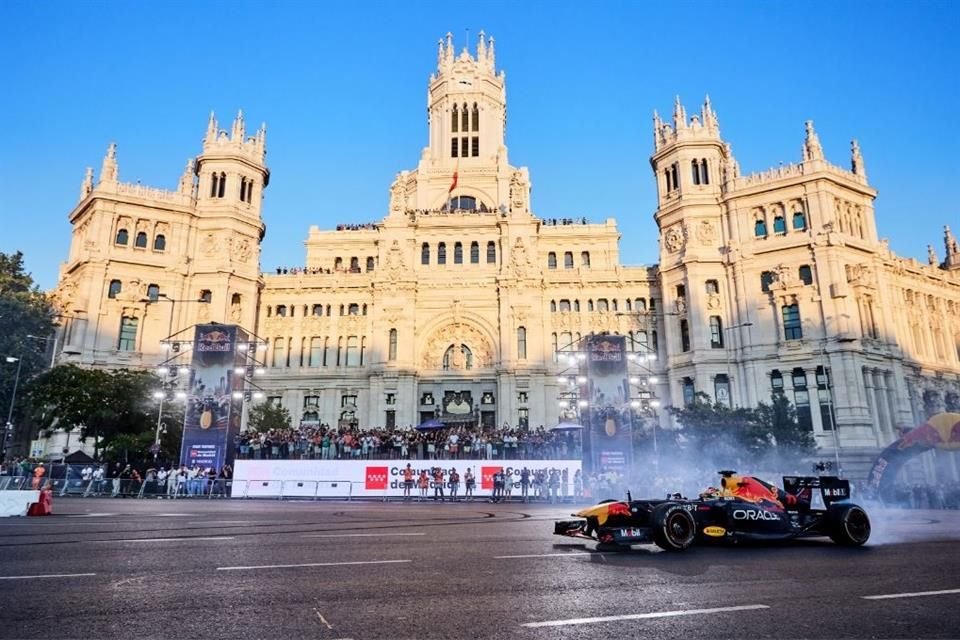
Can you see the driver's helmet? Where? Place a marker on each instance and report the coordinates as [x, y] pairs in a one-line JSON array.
[[710, 493]]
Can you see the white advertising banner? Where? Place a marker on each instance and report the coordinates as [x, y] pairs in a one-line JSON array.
[[373, 478]]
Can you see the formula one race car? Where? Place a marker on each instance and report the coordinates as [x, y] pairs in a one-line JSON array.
[[743, 508]]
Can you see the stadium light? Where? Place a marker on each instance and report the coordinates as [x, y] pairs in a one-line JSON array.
[[582, 403], [654, 403], [653, 379]]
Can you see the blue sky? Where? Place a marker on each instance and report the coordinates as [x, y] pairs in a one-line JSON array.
[[343, 92]]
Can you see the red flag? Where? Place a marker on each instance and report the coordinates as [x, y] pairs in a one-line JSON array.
[[453, 185]]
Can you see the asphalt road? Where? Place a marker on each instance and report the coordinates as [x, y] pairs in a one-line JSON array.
[[109, 568]]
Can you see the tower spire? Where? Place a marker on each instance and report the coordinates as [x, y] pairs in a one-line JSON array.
[[811, 144], [211, 128], [491, 62], [657, 127], [856, 160], [87, 185], [109, 170], [186, 180], [709, 117], [481, 48], [679, 115], [239, 130]]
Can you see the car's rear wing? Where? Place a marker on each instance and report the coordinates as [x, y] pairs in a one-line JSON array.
[[832, 489]]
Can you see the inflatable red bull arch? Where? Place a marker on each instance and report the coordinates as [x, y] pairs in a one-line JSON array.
[[941, 431]]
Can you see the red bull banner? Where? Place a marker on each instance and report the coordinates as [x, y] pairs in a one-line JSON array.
[[608, 445], [212, 417], [941, 431]]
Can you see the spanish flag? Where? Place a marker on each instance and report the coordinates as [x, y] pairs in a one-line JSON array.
[[453, 185]]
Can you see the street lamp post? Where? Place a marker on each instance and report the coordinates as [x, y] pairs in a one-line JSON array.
[[8, 428]]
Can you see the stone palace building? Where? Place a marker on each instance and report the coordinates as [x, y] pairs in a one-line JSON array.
[[458, 301]]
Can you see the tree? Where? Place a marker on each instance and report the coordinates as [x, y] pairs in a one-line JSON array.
[[26, 331], [105, 404], [266, 416], [777, 424], [715, 433]]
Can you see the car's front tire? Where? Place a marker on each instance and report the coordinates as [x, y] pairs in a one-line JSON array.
[[849, 525], [674, 529]]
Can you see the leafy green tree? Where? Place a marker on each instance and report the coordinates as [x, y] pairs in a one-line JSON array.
[[266, 416], [715, 432], [777, 424], [26, 333], [105, 404]]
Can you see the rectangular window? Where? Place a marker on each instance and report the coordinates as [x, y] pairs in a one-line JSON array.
[[766, 279], [311, 401], [522, 343], [390, 418], [454, 146], [491, 253], [391, 398], [684, 336], [464, 147], [316, 352], [721, 389], [713, 286], [128, 334], [475, 150], [353, 351], [392, 349], [523, 417], [716, 332], [474, 253], [689, 392], [792, 329], [279, 353]]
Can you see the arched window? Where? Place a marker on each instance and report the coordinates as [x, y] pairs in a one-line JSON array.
[[338, 264], [553, 306], [455, 119], [160, 243], [122, 237], [806, 274], [779, 225], [476, 118], [792, 327], [392, 346], [576, 306], [462, 203], [370, 263], [590, 305], [695, 170], [568, 260], [153, 292], [317, 310], [760, 228], [214, 185], [442, 253], [474, 253], [640, 304], [425, 253], [584, 258], [141, 241], [222, 187], [521, 343], [342, 308], [115, 288], [243, 189], [704, 173], [353, 309], [799, 220], [458, 253], [127, 340], [551, 260], [629, 304], [450, 357], [465, 119], [364, 310], [491, 252], [613, 304], [354, 265], [281, 311], [602, 305], [564, 305]]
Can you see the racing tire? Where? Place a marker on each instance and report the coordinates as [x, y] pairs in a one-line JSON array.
[[674, 528], [848, 525]]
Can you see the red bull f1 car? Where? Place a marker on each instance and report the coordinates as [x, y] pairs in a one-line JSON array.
[[742, 508]]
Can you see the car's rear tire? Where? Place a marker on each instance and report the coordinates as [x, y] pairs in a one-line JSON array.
[[848, 525], [674, 528]]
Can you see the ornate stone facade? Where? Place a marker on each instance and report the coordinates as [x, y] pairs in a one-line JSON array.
[[771, 279]]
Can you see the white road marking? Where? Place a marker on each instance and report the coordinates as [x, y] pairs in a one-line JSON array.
[[311, 564], [358, 535], [173, 515], [642, 616], [91, 515], [51, 575], [180, 539], [915, 594], [212, 522], [322, 619], [569, 554]]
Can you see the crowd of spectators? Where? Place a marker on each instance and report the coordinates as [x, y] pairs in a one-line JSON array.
[[454, 443], [365, 226], [562, 222]]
